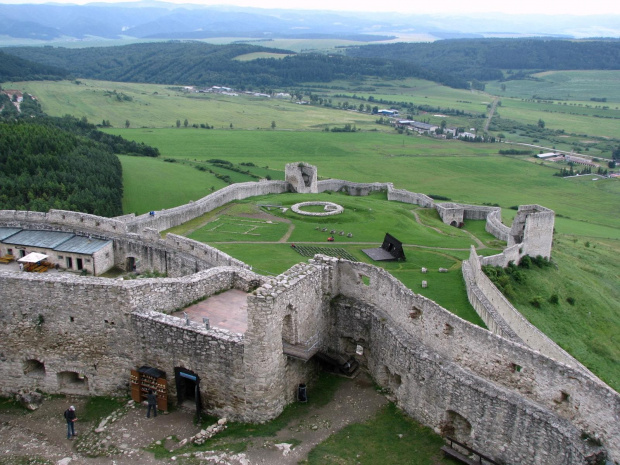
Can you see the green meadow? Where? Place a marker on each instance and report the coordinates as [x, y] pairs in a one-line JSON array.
[[467, 173], [159, 106], [579, 85]]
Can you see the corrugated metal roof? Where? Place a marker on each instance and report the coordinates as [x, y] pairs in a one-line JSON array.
[[82, 245], [43, 239], [8, 232]]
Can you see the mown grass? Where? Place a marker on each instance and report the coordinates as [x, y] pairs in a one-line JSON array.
[[427, 245], [391, 437]]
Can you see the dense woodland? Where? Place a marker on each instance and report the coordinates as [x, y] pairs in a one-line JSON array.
[[205, 64], [13, 68], [456, 63], [61, 163], [484, 59]]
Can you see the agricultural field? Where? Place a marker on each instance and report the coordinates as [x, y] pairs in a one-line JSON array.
[[158, 106], [468, 173], [588, 127], [579, 85]]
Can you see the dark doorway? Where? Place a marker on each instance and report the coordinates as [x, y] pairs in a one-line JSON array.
[[188, 389], [131, 264], [79, 263], [69, 263]]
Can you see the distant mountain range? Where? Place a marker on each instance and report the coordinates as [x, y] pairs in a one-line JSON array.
[[158, 20]]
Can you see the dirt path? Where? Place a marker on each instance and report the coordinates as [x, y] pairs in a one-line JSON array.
[[42, 433]]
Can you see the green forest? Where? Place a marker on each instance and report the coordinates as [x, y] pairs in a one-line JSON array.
[[62, 163], [205, 64], [13, 68], [484, 59], [455, 63]]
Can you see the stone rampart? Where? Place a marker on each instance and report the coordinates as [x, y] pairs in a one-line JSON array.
[[402, 195], [496, 227], [569, 393], [439, 393], [215, 355], [352, 188], [288, 308], [62, 220], [508, 314], [166, 219]]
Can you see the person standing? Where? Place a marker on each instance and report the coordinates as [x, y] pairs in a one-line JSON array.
[[151, 399], [71, 419]]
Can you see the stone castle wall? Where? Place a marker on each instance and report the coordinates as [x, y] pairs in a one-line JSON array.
[[401, 195], [482, 360], [166, 219], [444, 371]]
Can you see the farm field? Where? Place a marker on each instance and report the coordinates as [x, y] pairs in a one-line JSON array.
[[580, 85], [159, 106], [467, 173]]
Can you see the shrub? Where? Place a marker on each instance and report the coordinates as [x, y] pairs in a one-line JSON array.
[[526, 262], [554, 299], [571, 300], [537, 301]]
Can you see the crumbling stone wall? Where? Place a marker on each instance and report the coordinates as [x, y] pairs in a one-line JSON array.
[[490, 302], [402, 195], [302, 177], [352, 188], [166, 219], [565, 394], [287, 308]]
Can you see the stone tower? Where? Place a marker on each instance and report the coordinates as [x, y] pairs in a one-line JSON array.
[[302, 178]]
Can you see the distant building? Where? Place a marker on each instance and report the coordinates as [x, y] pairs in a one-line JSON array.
[[388, 112]]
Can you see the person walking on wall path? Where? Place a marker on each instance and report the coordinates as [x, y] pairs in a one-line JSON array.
[[152, 404], [71, 419]]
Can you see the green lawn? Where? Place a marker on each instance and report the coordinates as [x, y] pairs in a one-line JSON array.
[[391, 437]]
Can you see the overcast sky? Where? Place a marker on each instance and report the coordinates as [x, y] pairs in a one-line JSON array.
[[547, 7]]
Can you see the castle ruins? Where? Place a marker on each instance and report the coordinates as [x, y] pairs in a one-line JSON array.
[[508, 391]]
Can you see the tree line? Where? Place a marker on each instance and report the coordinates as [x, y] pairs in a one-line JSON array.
[[61, 163], [477, 60], [200, 64]]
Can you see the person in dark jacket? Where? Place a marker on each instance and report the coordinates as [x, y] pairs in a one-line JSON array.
[[71, 419], [151, 399]]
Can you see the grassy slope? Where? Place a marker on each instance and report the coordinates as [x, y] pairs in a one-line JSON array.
[[157, 106], [587, 270]]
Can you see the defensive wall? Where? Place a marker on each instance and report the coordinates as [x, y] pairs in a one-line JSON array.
[[514, 395]]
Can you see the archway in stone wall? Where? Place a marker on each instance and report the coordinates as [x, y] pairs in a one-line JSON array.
[[33, 368], [457, 427], [71, 382]]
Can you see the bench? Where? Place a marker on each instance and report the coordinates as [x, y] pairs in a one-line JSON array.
[[451, 452], [457, 455], [7, 258]]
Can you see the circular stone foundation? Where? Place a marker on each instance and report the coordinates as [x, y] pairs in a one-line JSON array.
[[329, 207]]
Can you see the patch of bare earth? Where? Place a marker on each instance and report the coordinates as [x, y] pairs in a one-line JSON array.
[[122, 439]]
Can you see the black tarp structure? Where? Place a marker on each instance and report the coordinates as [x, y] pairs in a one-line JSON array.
[[390, 250]]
